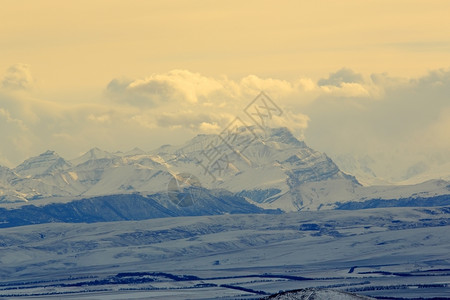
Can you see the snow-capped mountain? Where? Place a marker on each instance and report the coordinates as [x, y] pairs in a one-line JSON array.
[[265, 167], [47, 163], [93, 154], [270, 169]]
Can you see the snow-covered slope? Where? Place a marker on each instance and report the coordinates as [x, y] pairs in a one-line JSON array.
[[331, 193], [7, 192], [128, 207], [271, 169], [378, 170]]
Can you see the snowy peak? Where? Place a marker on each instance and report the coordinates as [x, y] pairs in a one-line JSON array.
[[282, 135], [268, 165], [238, 139], [6, 175], [96, 153], [93, 154], [4, 171], [134, 151], [45, 164]]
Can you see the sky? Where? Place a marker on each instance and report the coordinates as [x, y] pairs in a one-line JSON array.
[[366, 82]]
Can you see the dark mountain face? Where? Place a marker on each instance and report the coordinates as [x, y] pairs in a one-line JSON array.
[[130, 207]]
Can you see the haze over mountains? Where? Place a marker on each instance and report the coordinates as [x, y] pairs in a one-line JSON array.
[[271, 169]]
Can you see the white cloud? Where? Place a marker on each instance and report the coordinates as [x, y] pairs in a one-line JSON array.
[[159, 89], [196, 121], [340, 77], [252, 85]]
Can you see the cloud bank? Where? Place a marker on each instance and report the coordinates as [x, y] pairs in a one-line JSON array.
[[397, 122]]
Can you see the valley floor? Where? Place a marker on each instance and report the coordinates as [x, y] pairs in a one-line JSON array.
[[386, 253]]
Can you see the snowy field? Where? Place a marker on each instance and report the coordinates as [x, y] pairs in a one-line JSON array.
[[387, 253]]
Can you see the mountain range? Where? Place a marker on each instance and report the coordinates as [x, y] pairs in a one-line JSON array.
[[270, 169]]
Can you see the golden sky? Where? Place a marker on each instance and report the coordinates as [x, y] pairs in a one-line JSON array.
[[83, 44]]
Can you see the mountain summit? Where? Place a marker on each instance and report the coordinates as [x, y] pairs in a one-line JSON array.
[[46, 163], [93, 154]]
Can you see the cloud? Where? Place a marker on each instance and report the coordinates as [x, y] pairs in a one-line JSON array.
[[346, 83], [398, 123], [346, 90], [6, 117], [342, 76], [186, 88], [296, 122], [251, 85], [183, 99], [197, 121], [18, 77], [436, 133], [15, 137], [175, 86]]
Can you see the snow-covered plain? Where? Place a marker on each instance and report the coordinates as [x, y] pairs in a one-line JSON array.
[[383, 252]]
